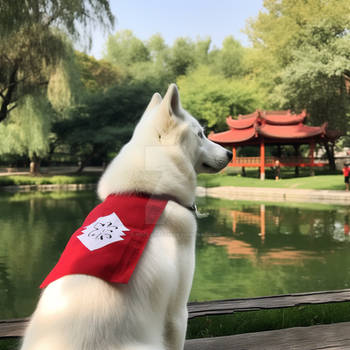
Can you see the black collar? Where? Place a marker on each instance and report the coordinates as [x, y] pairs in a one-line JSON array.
[[192, 208]]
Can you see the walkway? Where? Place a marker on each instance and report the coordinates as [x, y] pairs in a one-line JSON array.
[[275, 194]]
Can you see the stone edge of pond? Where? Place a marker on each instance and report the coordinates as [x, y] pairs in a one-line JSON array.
[[48, 187], [275, 194], [224, 192]]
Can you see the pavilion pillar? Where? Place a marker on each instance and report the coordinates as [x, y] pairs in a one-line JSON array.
[[297, 160], [262, 160], [234, 155], [311, 157]]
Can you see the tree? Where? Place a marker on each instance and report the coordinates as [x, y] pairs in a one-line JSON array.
[[124, 49], [103, 124], [181, 56], [230, 57], [33, 41], [157, 48], [27, 131], [307, 43], [202, 47], [97, 74], [153, 62], [316, 80], [211, 98]]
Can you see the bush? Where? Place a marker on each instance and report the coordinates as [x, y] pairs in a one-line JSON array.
[[43, 180]]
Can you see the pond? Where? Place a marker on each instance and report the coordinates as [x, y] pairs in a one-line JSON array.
[[244, 249]]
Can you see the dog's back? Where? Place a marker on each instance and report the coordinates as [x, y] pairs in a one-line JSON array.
[[84, 312]]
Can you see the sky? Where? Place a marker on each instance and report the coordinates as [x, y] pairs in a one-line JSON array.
[[172, 19]]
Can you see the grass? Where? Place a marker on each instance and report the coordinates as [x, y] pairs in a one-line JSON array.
[[9, 344], [205, 203], [322, 180], [44, 180], [318, 182], [264, 320]]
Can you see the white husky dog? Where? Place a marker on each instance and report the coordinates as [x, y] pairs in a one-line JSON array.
[[81, 312]]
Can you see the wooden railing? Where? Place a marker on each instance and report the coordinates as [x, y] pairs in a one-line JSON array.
[[284, 161], [335, 336]]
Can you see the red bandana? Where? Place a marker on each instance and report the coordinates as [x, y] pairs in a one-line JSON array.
[[111, 240]]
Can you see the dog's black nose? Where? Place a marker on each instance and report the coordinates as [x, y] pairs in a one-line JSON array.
[[229, 155]]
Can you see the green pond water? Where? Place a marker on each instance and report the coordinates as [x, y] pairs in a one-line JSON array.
[[244, 249]]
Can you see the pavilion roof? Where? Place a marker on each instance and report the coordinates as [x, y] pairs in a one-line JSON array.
[[274, 127]]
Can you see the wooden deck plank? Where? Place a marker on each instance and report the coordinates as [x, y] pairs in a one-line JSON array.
[[15, 328], [335, 336], [219, 307]]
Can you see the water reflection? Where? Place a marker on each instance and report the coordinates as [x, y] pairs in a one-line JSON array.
[[337, 226], [250, 219], [247, 249], [244, 249], [34, 230], [236, 247]]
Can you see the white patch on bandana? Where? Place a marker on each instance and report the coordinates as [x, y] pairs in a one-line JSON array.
[[105, 230]]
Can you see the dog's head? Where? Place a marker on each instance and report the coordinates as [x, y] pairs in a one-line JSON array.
[[168, 148], [172, 126]]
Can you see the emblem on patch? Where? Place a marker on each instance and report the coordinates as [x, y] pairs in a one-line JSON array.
[[105, 230]]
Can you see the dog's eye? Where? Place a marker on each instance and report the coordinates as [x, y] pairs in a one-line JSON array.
[[200, 134]]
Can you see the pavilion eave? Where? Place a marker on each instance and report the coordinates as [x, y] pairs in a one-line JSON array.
[[256, 141]]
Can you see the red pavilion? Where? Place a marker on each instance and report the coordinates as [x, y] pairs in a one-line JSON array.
[[263, 128]]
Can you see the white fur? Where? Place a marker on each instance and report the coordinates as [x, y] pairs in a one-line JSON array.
[[80, 312]]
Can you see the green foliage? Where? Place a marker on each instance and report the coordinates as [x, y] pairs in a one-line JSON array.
[[103, 123], [143, 63], [211, 98], [230, 57], [288, 25], [65, 86], [182, 56], [301, 56], [64, 14], [125, 49], [202, 50], [44, 180], [315, 80], [284, 25], [26, 133], [153, 61], [96, 74], [156, 47], [33, 41]]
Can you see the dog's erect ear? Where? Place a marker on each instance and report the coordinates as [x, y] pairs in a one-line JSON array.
[[155, 101], [171, 101]]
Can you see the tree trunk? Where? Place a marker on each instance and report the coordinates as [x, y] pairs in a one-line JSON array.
[[84, 162], [7, 98], [279, 151], [34, 166], [329, 146], [81, 166]]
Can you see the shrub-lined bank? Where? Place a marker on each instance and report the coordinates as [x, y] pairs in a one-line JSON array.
[[320, 182], [18, 180]]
